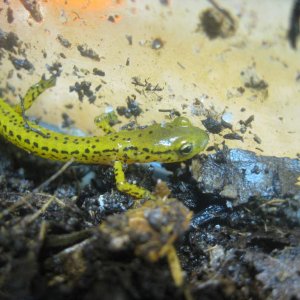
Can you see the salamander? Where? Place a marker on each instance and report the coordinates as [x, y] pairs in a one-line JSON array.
[[174, 141]]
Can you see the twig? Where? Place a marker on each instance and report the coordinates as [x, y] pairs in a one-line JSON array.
[[25, 199], [54, 176], [222, 11], [34, 216]]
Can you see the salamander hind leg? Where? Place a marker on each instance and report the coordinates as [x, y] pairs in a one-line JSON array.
[[33, 92], [129, 188], [31, 95]]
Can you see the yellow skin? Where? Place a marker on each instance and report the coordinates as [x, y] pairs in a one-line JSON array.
[[175, 141]]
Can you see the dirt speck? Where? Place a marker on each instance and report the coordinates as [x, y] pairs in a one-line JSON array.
[[217, 23]]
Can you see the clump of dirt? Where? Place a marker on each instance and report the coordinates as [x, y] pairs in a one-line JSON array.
[[217, 23]]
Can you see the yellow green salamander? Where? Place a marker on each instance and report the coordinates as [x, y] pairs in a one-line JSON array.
[[175, 141]]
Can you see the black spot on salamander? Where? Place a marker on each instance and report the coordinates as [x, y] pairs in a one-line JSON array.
[[87, 150], [19, 137], [84, 156], [150, 132], [97, 140], [27, 141], [75, 152], [94, 146], [140, 135], [56, 138], [11, 133], [146, 149], [5, 127], [45, 148], [65, 142], [147, 157], [130, 148], [54, 150], [66, 138], [35, 144], [88, 141], [64, 152], [97, 152], [111, 150]]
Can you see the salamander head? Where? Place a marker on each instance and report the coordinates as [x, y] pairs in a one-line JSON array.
[[175, 141], [187, 140]]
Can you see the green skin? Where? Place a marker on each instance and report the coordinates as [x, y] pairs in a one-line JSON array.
[[175, 141]]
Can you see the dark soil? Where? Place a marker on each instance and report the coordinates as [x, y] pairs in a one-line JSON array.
[[241, 248]]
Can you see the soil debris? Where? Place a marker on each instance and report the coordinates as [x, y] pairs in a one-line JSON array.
[[34, 9], [88, 52], [217, 22]]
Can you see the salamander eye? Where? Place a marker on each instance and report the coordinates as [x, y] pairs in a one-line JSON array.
[[186, 148]]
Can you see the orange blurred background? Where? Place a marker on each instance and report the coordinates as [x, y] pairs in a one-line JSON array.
[[88, 5]]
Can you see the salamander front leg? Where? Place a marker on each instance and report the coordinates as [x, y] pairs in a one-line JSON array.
[[106, 121], [129, 188]]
